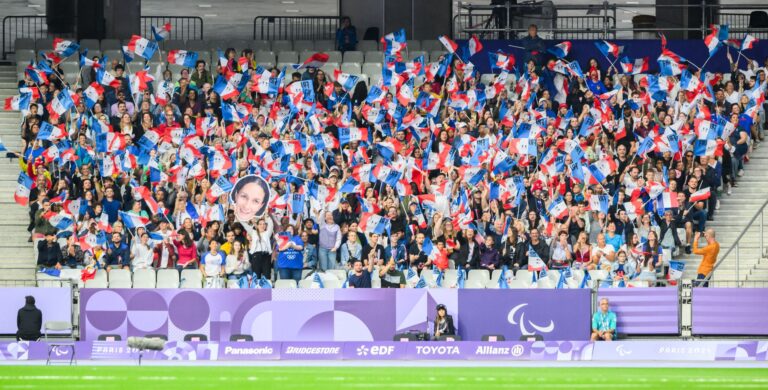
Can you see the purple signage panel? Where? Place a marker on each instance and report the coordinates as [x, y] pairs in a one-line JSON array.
[[312, 351], [729, 311], [671, 350], [553, 314], [54, 302], [644, 310]]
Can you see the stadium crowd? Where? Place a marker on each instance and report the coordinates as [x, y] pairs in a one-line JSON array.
[[541, 167]]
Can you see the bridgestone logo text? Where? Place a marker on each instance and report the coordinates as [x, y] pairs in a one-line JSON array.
[[312, 351]]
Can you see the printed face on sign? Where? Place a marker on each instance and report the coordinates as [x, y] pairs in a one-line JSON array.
[[249, 198]]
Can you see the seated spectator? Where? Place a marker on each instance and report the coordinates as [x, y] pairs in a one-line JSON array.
[[443, 322], [164, 254], [49, 252], [118, 254], [186, 252], [390, 276], [603, 323], [237, 261], [561, 253], [141, 253]]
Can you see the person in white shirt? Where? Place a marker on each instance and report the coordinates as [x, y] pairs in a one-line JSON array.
[[260, 251], [237, 262], [141, 253], [212, 263]]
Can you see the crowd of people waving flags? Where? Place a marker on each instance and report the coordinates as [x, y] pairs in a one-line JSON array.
[[543, 167]]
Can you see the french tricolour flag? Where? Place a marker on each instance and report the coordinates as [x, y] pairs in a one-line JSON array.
[[748, 42], [316, 60], [220, 187], [373, 223], [146, 195], [474, 45], [64, 48], [18, 102], [143, 47], [558, 208], [608, 48], [58, 220], [92, 94], [182, 57], [132, 221], [21, 196], [448, 43], [560, 50], [346, 80], [712, 41], [699, 195], [161, 33]]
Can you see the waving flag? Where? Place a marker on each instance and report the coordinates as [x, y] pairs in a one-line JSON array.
[[21, 196], [161, 33], [346, 80], [558, 208], [560, 50], [503, 284], [142, 47], [608, 48], [18, 102], [64, 48], [702, 194], [474, 46], [501, 61], [599, 203], [449, 44], [535, 263], [394, 43], [132, 221], [373, 223], [182, 57], [712, 41], [670, 64], [748, 42], [92, 94], [316, 60], [60, 221]]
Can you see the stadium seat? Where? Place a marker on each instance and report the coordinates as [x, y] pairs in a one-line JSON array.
[[265, 58], [413, 44], [191, 278], [240, 45], [598, 274], [44, 44], [118, 278], [288, 56], [219, 44], [519, 283], [45, 280], [334, 56], [372, 69], [354, 56], [197, 45], [340, 274], [431, 45], [374, 79], [285, 283], [278, 46], [638, 283], [167, 278], [351, 68], [416, 53], [475, 283], [24, 43], [93, 283], [545, 283], [259, 45], [73, 275], [489, 283], [174, 44], [306, 283], [376, 283], [374, 57], [329, 67], [304, 46], [233, 284], [368, 46], [434, 55], [305, 273], [333, 284], [111, 44], [479, 274], [24, 56], [325, 45], [144, 278], [90, 44]]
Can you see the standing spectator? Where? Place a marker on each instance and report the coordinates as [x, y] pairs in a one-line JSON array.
[[49, 252], [360, 277], [310, 252], [260, 253], [164, 254], [346, 36], [289, 256], [603, 323], [534, 46], [489, 256], [561, 253], [416, 256], [709, 256], [329, 241], [201, 76], [29, 321]]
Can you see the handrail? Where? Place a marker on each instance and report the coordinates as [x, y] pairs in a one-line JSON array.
[[271, 28], [735, 244]]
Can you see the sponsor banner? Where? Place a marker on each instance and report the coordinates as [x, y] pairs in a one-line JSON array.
[[729, 311], [643, 350], [644, 310], [54, 302], [680, 350], [312, 351]]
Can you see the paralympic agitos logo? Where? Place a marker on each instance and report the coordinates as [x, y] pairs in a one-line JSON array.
[[520, 320]]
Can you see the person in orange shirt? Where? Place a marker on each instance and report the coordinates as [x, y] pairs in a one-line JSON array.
[[709, 256]]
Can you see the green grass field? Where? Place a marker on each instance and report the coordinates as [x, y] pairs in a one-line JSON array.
[[337, 378]]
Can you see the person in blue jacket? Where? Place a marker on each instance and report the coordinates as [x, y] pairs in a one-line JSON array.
[[290, 256], [346, 36]]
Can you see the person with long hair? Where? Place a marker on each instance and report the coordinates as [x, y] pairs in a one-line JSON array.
[[443, 322], [237, 261], [260, 252], [186, 250]]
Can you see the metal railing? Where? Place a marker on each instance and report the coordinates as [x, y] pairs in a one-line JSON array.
[[737, 243], [596, 21], [36, 27], [270, 28]]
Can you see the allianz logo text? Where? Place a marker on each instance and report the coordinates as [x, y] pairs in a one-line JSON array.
[[485, 350]]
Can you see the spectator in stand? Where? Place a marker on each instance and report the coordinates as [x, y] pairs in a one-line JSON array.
[[212, 265], [352, 249], [237, 262], [186, 251], [289, 255], [260, 252], [329, 242], [534, 46], [390, 276], [346, 36], [561, 252], [359, 277], [489, 256], [603, 323], [164, 254], [73, 256], [118, 254], [309, 252], [141, 253], [201, 76], [416, 256], [49, 252], [709, 256]]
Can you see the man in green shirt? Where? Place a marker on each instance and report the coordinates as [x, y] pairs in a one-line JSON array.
[[603, 323]]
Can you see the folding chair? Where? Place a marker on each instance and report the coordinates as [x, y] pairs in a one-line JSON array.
[[61, 340]]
